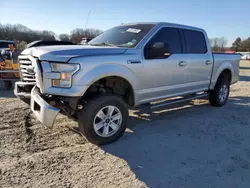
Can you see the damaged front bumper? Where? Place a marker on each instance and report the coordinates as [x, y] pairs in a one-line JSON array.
[[44, 112], [41, 104]]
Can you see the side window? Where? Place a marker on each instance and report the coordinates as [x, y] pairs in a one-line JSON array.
[[170, 38], [195, 42]]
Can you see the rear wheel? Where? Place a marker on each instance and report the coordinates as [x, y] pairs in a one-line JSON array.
[[218, 97], [104, 119]]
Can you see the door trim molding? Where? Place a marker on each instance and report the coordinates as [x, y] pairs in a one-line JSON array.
[[171, 87]]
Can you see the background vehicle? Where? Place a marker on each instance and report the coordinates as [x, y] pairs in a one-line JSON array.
[[126, 66], [85, 41], [245, 56], [8, 63]]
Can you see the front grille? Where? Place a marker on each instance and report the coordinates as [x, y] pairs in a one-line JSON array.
[[27, 70]]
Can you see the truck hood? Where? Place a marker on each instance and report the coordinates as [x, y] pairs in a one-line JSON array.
[[65, 53]]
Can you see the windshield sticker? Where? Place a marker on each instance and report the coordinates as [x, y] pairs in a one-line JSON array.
[[130, 43], [133, 41], [131, 30]]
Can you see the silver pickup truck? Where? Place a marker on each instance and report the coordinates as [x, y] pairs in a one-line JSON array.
[[131, 65]]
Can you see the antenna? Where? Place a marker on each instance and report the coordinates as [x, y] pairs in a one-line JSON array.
[[87, 19]]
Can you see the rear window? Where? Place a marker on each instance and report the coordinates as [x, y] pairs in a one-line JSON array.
[[195, 42]]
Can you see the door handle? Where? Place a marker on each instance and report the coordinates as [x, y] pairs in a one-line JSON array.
[[208, 62], [182, 63]]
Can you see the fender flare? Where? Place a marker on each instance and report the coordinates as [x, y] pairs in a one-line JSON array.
[[107, 70], [219, 70]]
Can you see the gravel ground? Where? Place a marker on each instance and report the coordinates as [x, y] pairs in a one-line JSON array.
[[187, 145]]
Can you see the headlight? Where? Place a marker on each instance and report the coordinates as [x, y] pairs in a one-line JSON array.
[[66, 72]]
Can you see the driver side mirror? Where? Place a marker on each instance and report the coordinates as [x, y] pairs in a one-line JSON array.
[[157, 50]]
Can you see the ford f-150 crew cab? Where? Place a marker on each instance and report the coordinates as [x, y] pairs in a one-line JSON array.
[[126, 66]]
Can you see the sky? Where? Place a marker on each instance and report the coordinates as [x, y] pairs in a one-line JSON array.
[[220, 18]]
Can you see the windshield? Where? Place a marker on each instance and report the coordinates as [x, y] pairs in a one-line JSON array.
[[122, 36], [5, 44]]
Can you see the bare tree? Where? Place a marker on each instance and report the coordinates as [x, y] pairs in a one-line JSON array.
[[78, 34], [23, 33], [218, 44], [214, 42], [20, 32], [223, 44]]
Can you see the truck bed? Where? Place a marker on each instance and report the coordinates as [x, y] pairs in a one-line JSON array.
[[224, 60]]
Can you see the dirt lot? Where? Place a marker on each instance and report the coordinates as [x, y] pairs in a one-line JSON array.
[[189, 145]]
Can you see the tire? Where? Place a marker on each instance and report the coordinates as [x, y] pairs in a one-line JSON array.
[[8, 85], [222, 88], [90, 116]]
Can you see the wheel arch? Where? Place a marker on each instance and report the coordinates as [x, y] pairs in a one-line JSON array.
[[225, 68], [226, 73], [118, 73]]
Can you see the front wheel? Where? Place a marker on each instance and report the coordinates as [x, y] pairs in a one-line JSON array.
[[103, 119], [219, 95]]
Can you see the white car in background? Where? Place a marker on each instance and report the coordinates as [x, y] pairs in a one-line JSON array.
[[245, 57]]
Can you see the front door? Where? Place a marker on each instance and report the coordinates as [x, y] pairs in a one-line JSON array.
[[164, 72]]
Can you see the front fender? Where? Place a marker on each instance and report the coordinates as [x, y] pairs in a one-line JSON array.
[[107, 70], [218, 70]]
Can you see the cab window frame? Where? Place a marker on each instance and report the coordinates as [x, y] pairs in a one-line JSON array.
[[182, 44], [185, 41]]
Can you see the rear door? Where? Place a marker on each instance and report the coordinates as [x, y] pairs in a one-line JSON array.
[[199, 60]]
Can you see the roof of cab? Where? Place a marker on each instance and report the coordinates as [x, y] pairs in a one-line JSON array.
[[166, 24]]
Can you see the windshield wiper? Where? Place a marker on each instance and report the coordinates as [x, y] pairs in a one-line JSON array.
[[102, 44]]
